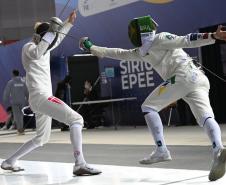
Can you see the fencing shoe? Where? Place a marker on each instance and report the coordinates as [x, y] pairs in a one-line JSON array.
[[12, 127], [7, 166], [4, 127], [218, 165], [156, 156], [85, 169]]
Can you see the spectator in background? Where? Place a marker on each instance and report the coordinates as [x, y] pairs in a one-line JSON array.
[[63, 93], [89, 110], [16, 94], [89, 92], [63, 88]]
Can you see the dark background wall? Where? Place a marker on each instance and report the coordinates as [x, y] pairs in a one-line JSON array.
[[82, 68], [213, 57]]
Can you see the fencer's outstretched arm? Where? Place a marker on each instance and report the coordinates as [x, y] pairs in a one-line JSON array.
[[34, 51], [170, 41], [86, 44], [116, 53]]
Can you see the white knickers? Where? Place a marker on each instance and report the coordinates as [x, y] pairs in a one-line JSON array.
[[45, 109], [55, 108], [189, 84]]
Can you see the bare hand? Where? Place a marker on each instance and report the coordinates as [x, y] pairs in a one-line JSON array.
[[220, 34], [72, 17]]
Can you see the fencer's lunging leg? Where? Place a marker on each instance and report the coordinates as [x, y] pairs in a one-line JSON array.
[[219, 152], [22, 151], [43, 129], [76, 140], [156, 128], [213, 130], [80, 167], [154, 123]]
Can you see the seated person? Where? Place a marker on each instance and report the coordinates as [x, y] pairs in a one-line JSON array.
[[89, 92], [90, 111], [62, 92]]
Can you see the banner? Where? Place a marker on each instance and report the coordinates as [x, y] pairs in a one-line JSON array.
[[136, 74], [92, 7]]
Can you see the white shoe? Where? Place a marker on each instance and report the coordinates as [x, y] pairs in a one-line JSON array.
[[7, 166], [12, 127], [4, 127], [85, 169], [156, 156], [218, 165]]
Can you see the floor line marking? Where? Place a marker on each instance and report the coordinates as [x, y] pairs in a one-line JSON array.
[[184, 180]]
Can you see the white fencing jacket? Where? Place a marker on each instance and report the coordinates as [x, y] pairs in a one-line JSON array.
[[165, 54], [36, 62]]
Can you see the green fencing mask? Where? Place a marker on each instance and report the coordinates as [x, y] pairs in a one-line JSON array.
[[139, 27]]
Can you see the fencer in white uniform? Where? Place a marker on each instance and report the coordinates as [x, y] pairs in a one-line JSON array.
[[182, 79], [36, 62]]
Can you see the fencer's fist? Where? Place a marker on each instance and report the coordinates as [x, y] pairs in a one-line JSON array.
[[55, 24], [220, 34], [72, 17], [85, 44]]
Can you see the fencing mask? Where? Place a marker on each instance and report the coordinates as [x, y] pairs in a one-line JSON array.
[[42, 28], [141, 28]]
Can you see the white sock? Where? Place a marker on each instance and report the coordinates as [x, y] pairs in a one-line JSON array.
[[213, 130], [154, 123], [76, 140], [22, 151]]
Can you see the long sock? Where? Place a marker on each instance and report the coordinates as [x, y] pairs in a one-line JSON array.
[[213, 130], [155, 126], [22, 151], [76, 140]]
